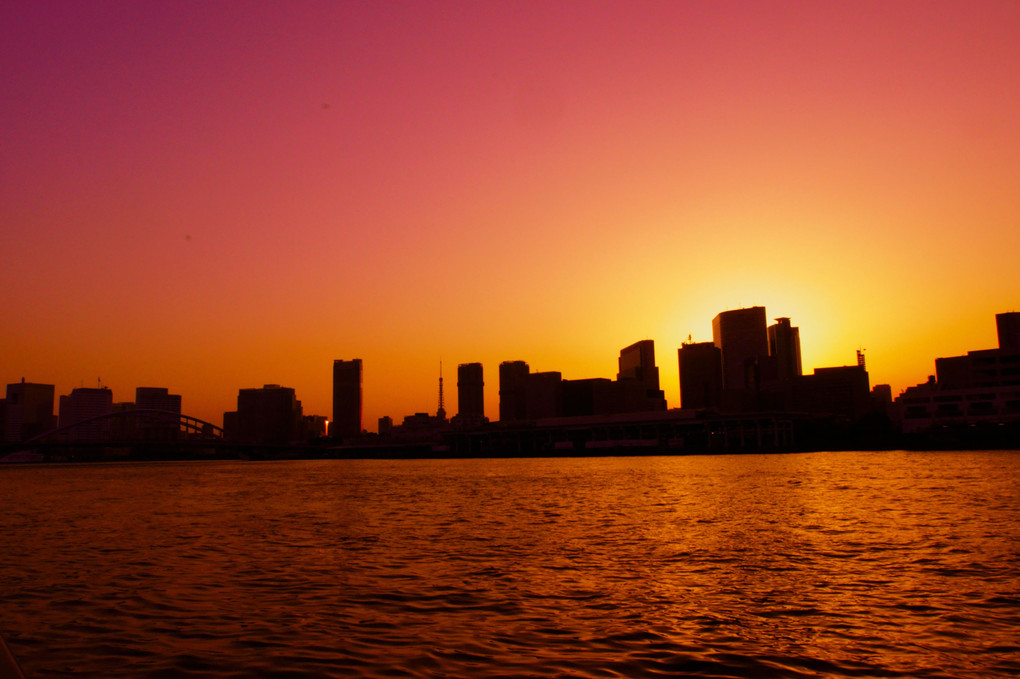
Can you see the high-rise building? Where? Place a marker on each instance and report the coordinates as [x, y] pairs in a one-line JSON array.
[[842, 391], [513, 377], [270, 415], [83, 405], [153, 427], [470, 394], [157, 398], [741, 336], [637, 362], [543, 395], [1008, 326], [28, 411], [346, 398], [700, 375], [638, 379], [784, 345]]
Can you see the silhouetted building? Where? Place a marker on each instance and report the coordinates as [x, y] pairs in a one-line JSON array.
[[637, 362], [385, 425], [513, 377], [543, 395], [157, 398], [843, 392], [1008, 326], [982, 387], [638, 379], [124, 427], [421, 428], [83, 405], [28, 411], [155, 428], [270, 415], [700, 375], [784, 345], [346, 399], [741, 336], [470, 394], [984, 369], [881, 398], [597, 396], [313, 427]]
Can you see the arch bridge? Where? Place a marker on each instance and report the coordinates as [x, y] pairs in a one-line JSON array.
[[137, 425]]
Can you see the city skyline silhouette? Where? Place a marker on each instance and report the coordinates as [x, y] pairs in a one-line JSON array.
[[206, 201], [748, 368], [656, 338]]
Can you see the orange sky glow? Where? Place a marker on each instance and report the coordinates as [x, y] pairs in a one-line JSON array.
[[210, 196]]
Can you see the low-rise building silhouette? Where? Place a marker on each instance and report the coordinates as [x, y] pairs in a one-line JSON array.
[[979, 388]]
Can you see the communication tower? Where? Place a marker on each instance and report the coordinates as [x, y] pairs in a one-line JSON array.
[[441, 413]]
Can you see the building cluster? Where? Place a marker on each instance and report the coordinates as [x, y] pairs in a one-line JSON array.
[[523, 396], [749, 368], [89, 415], [980, 388], [270, 415]]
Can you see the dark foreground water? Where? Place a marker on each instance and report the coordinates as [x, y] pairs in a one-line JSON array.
[[822, 564]]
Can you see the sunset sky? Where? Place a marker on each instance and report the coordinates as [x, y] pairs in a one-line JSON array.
[[215, 195]]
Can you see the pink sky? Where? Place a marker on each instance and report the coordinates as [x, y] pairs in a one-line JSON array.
[[209, 196]]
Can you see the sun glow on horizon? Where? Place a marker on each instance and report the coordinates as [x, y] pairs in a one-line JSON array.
[[252, 194]]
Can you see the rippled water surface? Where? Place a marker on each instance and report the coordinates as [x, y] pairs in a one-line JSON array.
[[821, 564]]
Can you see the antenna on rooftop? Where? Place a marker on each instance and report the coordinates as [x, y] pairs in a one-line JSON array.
[[860, 358]]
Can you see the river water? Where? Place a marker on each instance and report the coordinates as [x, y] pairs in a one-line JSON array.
[[877, 564]]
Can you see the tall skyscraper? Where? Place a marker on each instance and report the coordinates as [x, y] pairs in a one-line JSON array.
[[470, 393], [784, 345], [346, 398], [700, 375], [741, 337], [513, 376]]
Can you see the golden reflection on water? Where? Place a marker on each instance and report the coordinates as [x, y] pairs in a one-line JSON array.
[[828, 564]]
